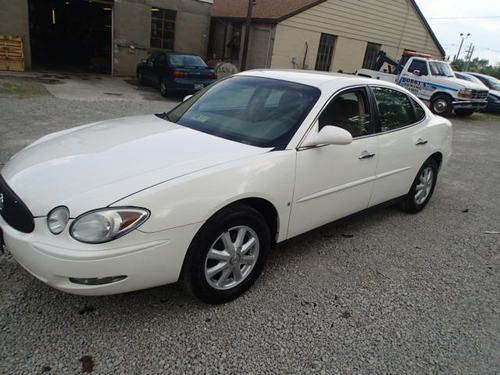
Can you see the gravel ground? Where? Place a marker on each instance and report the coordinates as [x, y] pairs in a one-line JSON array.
[[381, 293]]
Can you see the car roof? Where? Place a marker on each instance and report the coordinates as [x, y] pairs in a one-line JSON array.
[[482, 75], [315, 78]]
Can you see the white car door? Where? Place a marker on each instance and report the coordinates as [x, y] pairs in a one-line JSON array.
[[403, 143], [336, 180]]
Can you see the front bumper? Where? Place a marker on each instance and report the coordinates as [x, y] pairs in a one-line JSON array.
[[146, 259], [189, 84], [493, 107], [470, 104]]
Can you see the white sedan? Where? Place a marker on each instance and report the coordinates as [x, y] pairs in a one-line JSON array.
[[200, 194]]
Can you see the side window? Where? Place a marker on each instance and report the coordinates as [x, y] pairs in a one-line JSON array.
[[349, 111], [419, 65], [395, 109], [419, 111], [160, 60]]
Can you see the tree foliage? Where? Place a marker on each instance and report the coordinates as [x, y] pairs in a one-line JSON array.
[[478, 65]]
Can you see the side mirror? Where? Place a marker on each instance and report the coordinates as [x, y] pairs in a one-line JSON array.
[[417, 72], [187, 98], [328, 135]]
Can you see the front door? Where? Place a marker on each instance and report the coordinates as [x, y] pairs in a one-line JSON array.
[[336, 180]]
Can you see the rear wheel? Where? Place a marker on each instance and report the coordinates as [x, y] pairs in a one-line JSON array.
[[140, 78], [442, 105], [164, 88], [464, 112], [422, 188], [227, 255]]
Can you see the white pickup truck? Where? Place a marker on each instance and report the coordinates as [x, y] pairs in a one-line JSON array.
[[434, 82]]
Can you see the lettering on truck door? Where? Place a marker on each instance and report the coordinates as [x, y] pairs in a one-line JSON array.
[[415, 79]]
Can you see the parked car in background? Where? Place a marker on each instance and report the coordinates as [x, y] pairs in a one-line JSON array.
[[200, 194], [172, 71], [433, 82], [494, 96]]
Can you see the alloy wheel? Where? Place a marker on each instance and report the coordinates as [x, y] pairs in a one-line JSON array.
[[232, 257], [424, 186]]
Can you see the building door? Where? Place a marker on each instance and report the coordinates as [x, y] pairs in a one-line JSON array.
[[325, 52], [71, 35]]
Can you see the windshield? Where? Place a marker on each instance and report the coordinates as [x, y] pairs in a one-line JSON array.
[[183, 61], [441, 69], [493, 84], [257, 111]]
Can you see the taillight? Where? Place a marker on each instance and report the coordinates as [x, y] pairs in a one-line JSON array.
[[213, 76], [177, 74]]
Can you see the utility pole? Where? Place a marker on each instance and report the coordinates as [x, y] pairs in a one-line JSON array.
[[244, 54], [468, 58], [461, 44]]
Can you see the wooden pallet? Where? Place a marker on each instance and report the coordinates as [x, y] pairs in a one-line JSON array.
[[11, 53]]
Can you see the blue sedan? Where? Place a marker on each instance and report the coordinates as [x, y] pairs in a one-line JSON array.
[[172, 72]]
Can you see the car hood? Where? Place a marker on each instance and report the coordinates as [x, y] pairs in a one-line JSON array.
[[462, 84], [95, 165]]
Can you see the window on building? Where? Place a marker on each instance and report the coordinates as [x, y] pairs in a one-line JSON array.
[[371, 54], [162, 28], [325, 52], [420, 65], [395, 109]]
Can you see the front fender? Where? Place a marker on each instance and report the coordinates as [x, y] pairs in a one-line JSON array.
[[196, 197]]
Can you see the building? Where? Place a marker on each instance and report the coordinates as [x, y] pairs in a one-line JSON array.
[[328, 35], [108, 36]]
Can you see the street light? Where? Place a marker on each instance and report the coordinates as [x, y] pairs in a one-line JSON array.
[[461, 44]]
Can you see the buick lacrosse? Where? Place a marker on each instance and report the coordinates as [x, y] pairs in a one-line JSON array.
[[201, 193]]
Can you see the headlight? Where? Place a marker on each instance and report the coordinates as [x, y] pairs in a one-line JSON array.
[[465, 93], [57, 219], [107, 224]]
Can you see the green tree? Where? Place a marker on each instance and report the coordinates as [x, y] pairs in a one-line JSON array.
[[478, 65]]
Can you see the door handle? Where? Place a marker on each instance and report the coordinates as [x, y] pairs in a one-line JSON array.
[[366, 155], [421, 142]]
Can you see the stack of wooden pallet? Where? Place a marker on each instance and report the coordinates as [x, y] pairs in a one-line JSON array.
[[11, 53]]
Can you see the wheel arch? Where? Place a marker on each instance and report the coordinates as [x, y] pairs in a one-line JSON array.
[[264, 207], [441, 93], [438, 157]]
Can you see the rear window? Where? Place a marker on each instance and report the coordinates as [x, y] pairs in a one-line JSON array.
[[186, 61]]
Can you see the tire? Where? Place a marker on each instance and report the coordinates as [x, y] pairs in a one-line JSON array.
[[464, 112], [140, 78], [413, 203], [215, 280], [164, 88], [442, 105]]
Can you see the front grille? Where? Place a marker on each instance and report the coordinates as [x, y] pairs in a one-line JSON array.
[[479, 94], [13, 210]]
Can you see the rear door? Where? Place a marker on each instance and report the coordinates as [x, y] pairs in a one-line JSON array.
[[403, 143], [334, 181]]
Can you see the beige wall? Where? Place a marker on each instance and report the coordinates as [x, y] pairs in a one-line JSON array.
[[132, 26], [348, 55], [290, 43], [14, 22], [391, 23]]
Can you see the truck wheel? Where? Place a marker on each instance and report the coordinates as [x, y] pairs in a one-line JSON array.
[[442, 105], [464, 112]]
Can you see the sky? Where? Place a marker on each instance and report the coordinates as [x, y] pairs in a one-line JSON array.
[[480, 18]]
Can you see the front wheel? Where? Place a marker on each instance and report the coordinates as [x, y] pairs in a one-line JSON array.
[[422, 188], [442, 105], [227, 255], [464, 112]]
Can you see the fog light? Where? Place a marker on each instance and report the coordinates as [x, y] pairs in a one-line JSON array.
[[97, 280]]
